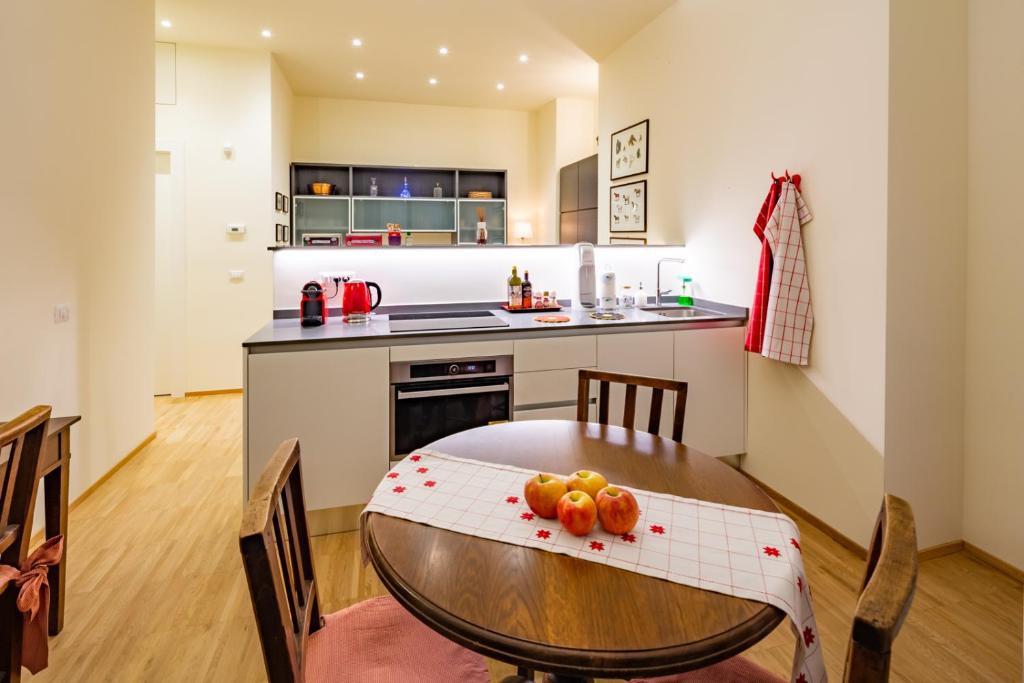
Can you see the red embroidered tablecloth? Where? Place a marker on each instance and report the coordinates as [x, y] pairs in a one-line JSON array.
[[736, 551]]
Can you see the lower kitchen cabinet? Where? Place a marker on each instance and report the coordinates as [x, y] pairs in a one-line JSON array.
[[712, 363], [337, 403], [639, 353]]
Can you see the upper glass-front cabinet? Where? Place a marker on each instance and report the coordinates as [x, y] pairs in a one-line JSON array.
[[320, 215], [493, 213], [373, 214]]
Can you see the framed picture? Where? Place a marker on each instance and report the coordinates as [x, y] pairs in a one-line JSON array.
[[287, 230], [278, 201], [627, 240], [285, 202], [629, 150], [628, 207], [278, 233]]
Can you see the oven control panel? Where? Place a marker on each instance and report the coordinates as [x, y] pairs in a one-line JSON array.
[[459, 368]]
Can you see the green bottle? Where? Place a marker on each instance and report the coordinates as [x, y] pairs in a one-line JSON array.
[[515, 289], [686, 292]]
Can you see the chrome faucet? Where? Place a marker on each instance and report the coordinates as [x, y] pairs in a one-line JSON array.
[[658, 290]]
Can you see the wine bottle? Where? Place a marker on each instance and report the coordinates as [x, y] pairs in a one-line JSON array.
[[515, 289], [527, 290]]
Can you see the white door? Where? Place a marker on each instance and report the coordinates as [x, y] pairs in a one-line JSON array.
[[169, 269]]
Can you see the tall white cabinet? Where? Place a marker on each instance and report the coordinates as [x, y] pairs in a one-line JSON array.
[[712, 363]]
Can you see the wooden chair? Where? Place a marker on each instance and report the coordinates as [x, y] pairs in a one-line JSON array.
[[301, 645], [885, 597], [23, 439], [658, 388]]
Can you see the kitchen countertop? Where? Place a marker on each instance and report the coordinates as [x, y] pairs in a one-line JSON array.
[[287, 333]]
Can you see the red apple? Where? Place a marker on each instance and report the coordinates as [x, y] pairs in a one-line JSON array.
[[588, 482], [542, 494], [617, 510], [577, 513]]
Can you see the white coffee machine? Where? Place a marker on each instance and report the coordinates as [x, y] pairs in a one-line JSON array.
[[586, 287]]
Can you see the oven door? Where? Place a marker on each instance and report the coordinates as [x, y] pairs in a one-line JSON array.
[[423, 412]]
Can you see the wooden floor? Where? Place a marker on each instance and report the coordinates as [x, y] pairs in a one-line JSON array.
[[156, 590]]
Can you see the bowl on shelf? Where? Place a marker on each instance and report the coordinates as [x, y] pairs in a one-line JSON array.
[[477, 194], [321, 189]]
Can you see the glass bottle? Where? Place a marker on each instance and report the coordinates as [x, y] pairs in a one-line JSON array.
[[438, 192], [373, 187], [405, 193], [527, 290], [515, 289]]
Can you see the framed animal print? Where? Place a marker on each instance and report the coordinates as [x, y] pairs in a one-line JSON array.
[[628, 207], [630, 147]]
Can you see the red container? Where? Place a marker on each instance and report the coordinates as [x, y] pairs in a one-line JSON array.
[[364, 240]]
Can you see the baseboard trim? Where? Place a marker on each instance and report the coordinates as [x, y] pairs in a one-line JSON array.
[[211, 392], [994, 562], [111, 472], [815, 521], [941, 550]]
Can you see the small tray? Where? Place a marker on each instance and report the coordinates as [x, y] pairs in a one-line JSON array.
[[523, 309]]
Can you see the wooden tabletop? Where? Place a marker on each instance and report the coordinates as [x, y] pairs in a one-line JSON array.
[[559, 614]]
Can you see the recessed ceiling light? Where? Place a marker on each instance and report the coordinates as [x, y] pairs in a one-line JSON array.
[[166, 23], [432, 81], [501, 86], [524, 58], [266, 33], [360, 75], [442, 50], [356, 42]]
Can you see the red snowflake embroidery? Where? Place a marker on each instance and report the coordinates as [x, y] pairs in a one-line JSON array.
[[596, 545], [430, 484], [808, 636], [657, 529], [800, 583], [421, 470], [801, 679], [770, 551], [415, 458], [512, 499], [543, 533], [628, 538], [528, 516], [398, 489], [392, 475], [795, 543]]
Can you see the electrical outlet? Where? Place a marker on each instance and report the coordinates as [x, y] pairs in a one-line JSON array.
[[61, 313]]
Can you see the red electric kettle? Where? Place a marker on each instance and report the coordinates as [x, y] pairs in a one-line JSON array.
[[356, 301]]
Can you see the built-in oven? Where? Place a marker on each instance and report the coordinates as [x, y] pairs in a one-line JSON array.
[[435, 398]]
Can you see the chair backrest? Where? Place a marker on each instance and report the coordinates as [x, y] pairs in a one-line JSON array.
[[275, 547], [23, 438], [888, 589], [658, 388]]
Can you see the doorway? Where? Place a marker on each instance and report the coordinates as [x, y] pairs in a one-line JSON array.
[[170, 373]]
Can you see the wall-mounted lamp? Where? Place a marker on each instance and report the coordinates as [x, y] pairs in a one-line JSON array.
[[523, 231]]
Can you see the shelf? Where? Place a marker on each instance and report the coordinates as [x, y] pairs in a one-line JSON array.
[[360, 197], [320, 196]]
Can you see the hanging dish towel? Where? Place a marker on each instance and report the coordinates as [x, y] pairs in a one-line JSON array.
[[788, 320]]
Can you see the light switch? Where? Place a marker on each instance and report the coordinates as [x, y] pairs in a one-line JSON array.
[[236, 228], [236, 274]]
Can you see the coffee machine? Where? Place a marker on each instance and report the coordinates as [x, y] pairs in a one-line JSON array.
[[313, 306], [586, 288]]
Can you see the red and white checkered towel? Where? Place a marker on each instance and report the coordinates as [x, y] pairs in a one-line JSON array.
[[787, 334], [736, 551]]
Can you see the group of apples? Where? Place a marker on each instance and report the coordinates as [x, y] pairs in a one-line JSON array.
[[581, 501]]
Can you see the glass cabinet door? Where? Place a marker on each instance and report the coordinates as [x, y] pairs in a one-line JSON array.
[[320, 215], [494, 215], [413, 215]]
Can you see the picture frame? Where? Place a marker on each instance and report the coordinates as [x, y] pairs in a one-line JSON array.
[[629, 149], [286, 202], [278, 201], [627, 207], [617, 239], [287, 234]]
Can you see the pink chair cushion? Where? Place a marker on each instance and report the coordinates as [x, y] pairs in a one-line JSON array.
[[378, 641], [735, 670]]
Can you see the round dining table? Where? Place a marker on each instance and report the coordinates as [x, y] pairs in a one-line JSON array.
[[570, 618]]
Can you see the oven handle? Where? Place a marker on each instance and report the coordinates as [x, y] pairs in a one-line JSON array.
[[429, 393]]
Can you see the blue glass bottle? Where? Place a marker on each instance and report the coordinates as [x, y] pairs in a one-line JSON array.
[[405, 193]]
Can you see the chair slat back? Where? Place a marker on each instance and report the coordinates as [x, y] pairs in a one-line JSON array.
[[278, 560], [23, 438], [888, 590], [658, 388]]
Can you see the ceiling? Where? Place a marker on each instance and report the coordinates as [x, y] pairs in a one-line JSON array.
[[312, 42]]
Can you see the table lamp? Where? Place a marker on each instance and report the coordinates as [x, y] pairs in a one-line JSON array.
[[524, 231]]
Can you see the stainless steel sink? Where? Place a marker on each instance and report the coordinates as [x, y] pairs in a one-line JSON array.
[[681, 312]]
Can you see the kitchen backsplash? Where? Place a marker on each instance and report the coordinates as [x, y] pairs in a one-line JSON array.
[[426, 276]]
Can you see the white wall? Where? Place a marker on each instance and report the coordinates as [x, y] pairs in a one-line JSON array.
[[926, 268], [224, 97], [994, 457], [77, 186], [394, 134], [735, 91], [281, 101], [458, 274]]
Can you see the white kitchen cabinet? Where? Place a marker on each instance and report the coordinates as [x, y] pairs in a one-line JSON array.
[[556, 413], [638, 353], [337, 403], [547, 375], [478, 349], [555, 353], [712, 364]]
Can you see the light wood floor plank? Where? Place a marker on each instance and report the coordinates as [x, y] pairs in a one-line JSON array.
[[156, 590]]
